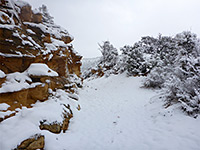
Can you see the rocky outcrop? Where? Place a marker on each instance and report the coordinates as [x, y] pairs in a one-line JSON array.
[[99, 72], [35, 83], [26, 37], [36, 59], [31, 37], [57, 127], [35, 142]]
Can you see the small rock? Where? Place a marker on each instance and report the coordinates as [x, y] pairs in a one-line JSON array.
[[78, 107], [32, 143], [65, 124], [52, 127]]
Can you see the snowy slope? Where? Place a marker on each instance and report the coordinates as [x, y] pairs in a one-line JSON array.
[[116, 113]]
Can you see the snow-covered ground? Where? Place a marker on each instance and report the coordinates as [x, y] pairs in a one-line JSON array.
[[116, 113]]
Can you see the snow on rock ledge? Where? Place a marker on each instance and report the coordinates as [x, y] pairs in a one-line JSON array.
[[35, 55], [16, 82], [36, 61], [29, 36], [2, 74], [4, 106], [40, 69]]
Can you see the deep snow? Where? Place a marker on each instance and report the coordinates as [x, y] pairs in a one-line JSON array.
[[116, 113]]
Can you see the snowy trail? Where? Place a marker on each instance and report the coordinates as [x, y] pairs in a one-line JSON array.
[[117, 114]]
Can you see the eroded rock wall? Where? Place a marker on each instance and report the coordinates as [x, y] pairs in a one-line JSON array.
[[25, 38], [30, 36]]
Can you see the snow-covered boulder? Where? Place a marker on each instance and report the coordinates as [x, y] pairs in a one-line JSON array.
[[40, 69]]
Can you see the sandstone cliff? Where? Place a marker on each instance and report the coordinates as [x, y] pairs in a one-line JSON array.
[[28, 36], [31, 37], [39, 76]]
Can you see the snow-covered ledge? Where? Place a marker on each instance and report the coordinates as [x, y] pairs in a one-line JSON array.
[[40, 69], [2, 74]]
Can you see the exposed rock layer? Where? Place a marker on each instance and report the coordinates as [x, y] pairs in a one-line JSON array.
[[32, 143], [30, 36], [26, 38]]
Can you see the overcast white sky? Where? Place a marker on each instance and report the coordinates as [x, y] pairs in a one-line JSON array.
[[121, 21]]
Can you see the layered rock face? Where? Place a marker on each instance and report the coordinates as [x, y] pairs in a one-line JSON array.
[[37, 63], [30, 36]]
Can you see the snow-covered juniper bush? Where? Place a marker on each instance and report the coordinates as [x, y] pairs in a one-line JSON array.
[[170, 63], [109, 55]]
